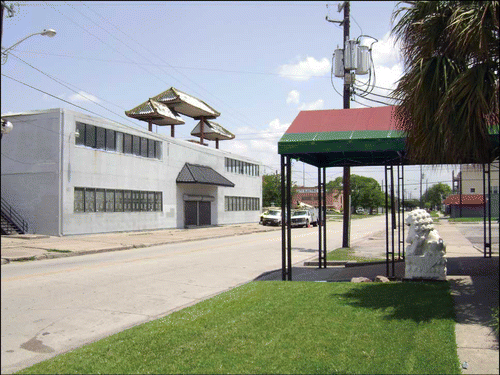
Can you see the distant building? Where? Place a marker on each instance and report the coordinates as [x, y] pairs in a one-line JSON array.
[[309, 195], [67, 173], [469, 182]]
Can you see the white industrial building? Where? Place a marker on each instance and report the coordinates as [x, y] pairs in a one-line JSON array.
[[67, 173]]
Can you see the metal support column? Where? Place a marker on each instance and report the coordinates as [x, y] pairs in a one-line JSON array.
[[321, 197], [389, 253], [289, 215], [284, 271], [487, 210], [401, 213], [386, 224], [393, 218], [324, 216], [403, 205]]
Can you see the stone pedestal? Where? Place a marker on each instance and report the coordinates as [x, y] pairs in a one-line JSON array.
[[427, 266]]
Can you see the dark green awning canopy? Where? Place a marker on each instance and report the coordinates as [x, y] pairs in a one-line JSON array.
[[347, 137]]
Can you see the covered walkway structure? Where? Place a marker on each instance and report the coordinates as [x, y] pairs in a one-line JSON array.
[[351, 137]]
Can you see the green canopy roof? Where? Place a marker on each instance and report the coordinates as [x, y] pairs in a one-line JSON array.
[[347, 137]]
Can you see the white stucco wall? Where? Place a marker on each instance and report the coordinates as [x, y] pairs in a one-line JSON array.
[[31, 169], [82, 166]]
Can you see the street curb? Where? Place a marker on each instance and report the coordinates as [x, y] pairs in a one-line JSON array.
[[54, 255]]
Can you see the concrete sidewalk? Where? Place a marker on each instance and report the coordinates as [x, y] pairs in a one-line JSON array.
[[35, 247]]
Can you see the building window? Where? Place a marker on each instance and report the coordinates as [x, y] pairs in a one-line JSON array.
[[110, 140], [151, 201], [127, 200], [136, 145], [127, 143], [79, 200], [90, 135], [151, 148], [119, 142], [158, 201], [144, 147], [89, 200], [472, 190], [100, 138], [241, 204], [241, 167], [136, 201], [110, 200], [119, 200], [144, 201], [158, 149], [99, 200], [80, 129]]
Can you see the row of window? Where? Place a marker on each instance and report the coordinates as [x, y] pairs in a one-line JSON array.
[[111, 140], [242, 204], [111, 200], [241, 167]]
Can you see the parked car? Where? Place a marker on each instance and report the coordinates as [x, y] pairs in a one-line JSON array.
[[271, 217], [360, 211]]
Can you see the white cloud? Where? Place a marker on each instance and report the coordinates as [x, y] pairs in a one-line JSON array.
[[318, 104], [259, 145], [82, 96], [305, 69], [293, 97], [386, 51]]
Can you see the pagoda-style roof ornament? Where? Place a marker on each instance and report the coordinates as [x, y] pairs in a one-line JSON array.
[[154, 112], [212, 131], [186, 104]]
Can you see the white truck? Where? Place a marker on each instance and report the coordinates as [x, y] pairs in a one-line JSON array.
[[305, 215], [271, 217]]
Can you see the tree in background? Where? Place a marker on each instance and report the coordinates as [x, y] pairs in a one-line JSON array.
[[411, 204], [365, 191], [448, 96], [435, 195], [271, 189]]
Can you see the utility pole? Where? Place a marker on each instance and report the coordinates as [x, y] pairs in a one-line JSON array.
[[346, 233]]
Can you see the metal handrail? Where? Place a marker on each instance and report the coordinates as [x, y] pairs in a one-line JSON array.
[[14, 217]]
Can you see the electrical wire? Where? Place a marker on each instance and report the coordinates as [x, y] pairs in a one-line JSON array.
[[242, 119], [165, 65], [69, 88], [56, 97]]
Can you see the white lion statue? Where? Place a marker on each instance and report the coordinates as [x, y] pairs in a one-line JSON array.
[[424, 257]]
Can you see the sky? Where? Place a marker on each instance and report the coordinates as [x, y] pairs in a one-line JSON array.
[[257, 63]]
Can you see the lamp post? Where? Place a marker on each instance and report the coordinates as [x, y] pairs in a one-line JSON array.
[[46, 32]]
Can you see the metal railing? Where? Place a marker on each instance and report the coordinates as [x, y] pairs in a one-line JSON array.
[[9, 213]]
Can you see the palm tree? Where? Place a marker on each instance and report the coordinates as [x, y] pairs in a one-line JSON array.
[[448, 96]]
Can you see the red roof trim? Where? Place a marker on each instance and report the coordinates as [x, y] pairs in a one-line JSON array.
[[467, 199], [332, 120]]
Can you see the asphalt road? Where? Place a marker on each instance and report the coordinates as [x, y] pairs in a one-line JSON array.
[[52, 306]]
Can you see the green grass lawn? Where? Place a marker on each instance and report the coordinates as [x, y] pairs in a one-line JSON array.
[[469, 219], [345, 253], [286, 327]]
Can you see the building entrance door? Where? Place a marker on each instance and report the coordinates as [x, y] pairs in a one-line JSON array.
[[197, 213]]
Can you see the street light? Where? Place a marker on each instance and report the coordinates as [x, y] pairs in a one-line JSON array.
[[46, 32], [6, 127]]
